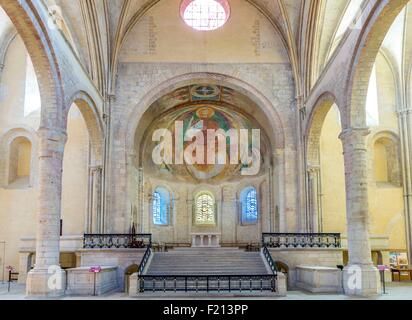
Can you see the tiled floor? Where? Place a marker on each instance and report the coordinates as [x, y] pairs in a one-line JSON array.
[[395, 291]]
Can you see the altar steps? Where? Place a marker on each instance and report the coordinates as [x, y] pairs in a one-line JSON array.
[[207, 262], [207, 272]]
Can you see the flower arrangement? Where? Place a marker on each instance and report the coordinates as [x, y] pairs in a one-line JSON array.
[[95, 269]]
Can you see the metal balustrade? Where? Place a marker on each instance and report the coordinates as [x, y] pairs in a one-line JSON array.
[[301, 240], [117, 241], [208, 283], [145, 260], [270, 260]]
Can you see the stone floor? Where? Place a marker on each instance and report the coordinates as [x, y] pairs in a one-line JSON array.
[[395, 291]]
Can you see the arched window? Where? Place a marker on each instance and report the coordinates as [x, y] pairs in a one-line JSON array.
[[161, 207], [20, 160], [249, 205], [205, 209]]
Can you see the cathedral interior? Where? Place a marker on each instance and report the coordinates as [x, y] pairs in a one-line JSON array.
[[91, 91]]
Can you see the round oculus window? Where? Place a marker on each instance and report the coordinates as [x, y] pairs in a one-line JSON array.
[[205, 15]]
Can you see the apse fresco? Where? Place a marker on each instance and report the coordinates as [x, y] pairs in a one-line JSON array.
[[200, 92], [202, 115]]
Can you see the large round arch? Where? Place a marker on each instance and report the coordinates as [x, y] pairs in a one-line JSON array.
[[93, 121], [364, 59], [30, 28], [315, 123], [277, 133], [261, 112]]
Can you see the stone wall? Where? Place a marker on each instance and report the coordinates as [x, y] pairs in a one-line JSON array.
[[121, 258], [295, 257], [141, 84]]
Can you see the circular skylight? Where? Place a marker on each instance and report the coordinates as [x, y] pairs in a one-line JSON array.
[[205, 15]]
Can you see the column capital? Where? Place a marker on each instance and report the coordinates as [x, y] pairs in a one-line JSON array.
[[56, 135], [95, 168], [313, 168], [52, 142], [111, 97], [354, 134], [354, 138], [402, 111]]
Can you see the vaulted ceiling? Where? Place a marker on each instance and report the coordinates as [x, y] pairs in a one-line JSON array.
[[309, 29], [297, 22]]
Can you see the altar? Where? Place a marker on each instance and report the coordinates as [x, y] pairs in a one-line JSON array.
[[206, 240]]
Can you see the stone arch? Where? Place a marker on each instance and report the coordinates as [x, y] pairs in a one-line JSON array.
[[29, 26], [313, 172], [94, 209], [388, 134], [315, 123], [5, 144], [276, 131], [94, 124], [153, 94], [5, 43], [365, 55]]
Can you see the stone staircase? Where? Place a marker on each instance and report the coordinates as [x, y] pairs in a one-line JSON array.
[[219, 261], [209, 271]]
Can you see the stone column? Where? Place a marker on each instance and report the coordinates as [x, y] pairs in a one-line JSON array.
[[190, 215], [47, 278], [279, 191], [95, 201], [405, 128], [314, 217], [361, 277], [140, 200]]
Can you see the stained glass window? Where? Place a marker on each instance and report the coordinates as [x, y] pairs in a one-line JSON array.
[[249, 205], [205, 209], [205, 15], [161, 207]]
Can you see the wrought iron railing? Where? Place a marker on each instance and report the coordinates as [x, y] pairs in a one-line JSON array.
[[208, 283], [270, 260], [117, 241], [301, 240], [145, 260]]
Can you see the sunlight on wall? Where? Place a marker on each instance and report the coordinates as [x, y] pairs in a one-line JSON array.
[[350, 17], [372, 108], [393, 41], [20, 158], [32, 94], [381, 163]]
